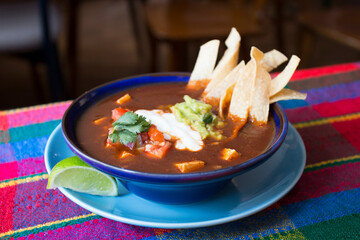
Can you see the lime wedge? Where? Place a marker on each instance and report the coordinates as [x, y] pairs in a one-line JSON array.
[[77, 175]]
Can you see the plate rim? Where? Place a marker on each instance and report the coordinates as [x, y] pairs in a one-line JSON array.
[[184, 225]]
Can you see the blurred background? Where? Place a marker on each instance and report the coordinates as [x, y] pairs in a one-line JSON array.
[[55, 50]]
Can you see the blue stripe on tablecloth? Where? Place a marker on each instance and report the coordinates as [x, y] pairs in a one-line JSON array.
[[321, 209], [7, 153], [290, 104], [333, 93], [26, 141], [33, 147], [325, 94], [277, 220]]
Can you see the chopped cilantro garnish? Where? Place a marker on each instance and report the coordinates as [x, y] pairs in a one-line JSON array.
[[127, 127], [208, 118]]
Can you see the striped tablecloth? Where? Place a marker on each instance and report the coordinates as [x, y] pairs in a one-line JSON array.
[[324, 204]]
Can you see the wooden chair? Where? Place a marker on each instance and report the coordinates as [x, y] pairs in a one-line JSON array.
[[340, 24], [178, 23]]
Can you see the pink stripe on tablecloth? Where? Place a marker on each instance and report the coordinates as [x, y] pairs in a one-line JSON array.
[[321, 71], [4, 125], [25, 167], [31, 166], [8, 170], [341, 107], [39, 114], [7, 196]]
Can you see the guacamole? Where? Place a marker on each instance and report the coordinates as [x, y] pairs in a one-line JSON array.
[[198, 115]]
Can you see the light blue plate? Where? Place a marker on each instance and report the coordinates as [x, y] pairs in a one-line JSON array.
[[248, 193]]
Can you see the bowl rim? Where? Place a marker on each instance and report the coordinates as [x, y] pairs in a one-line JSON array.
[[133, 175]]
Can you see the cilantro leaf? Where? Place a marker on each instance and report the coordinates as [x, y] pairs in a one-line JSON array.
[[114, 137], [127, 118], [123, 136], [145, 125], [127, 137], [136, 128], [127, 127]]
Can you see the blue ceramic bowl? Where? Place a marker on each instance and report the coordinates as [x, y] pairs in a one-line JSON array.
[[163, 188]]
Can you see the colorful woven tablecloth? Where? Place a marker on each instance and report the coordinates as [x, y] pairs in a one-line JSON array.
[[324, 204]]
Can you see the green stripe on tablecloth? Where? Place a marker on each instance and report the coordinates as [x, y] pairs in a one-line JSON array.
[[347, 227], [32, 131]]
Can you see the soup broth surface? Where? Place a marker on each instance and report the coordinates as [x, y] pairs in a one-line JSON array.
[[250, 142]]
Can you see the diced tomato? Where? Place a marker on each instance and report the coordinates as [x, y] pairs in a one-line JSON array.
[[155, 135], [118, 112], [159, 150]]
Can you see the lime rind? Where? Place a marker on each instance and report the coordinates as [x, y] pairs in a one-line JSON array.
[[75, 174]]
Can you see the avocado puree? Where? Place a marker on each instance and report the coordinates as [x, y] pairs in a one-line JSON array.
[[198, 115]]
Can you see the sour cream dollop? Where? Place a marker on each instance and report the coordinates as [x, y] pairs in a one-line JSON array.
[[184, 136]]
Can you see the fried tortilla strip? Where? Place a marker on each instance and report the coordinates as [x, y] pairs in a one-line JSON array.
[[259, 111], [242, 95], [204, 65], [287, 94], [281, 80], [226, 88], [272, 59], [227, 62], [213, 97]]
